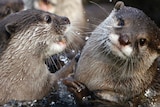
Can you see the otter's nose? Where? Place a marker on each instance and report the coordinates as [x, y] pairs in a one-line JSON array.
[[64, 21], [124, 39]]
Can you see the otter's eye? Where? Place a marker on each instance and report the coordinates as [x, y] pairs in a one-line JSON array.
[[142, 41], [48, 19], [121, 22]]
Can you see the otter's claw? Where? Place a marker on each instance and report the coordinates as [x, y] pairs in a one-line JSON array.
[[79, 90]]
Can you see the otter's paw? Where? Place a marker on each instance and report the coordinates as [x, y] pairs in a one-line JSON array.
[[79, 90]]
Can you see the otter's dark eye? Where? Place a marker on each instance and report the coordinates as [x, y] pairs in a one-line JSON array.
[[142, 41], [121, 22], [48, 19]]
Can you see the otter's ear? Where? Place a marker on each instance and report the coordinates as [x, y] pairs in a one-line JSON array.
[[119, 5], [10, 28]]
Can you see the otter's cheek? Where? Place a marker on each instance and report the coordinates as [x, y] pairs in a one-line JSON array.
[[118, 49], [114, 38]]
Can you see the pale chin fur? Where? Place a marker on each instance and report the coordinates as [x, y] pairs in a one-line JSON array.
[[117, 49], [55, 48]]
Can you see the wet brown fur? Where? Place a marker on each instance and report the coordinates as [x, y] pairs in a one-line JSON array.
[[23, 73]]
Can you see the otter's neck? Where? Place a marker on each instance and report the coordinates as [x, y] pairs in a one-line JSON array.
[[23, 54]]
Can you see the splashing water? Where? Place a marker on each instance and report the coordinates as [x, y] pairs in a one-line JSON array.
[[64, 95], [64, 59]]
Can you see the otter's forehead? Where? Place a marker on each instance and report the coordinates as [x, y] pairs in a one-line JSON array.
[[24, 19], [20, 17], [134, 21], [130, 12], [133, 15]]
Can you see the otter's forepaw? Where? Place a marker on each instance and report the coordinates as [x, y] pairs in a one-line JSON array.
[[79, 90]]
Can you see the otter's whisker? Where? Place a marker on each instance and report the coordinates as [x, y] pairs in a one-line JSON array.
[[103, 9]]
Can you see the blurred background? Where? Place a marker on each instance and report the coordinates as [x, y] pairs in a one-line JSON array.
[[150, 7], [94, 7]]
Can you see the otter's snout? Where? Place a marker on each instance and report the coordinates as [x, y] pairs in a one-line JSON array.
[[124, 39], [64, 21], [60, 24]]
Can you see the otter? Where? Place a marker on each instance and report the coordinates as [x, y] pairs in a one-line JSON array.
[[74, 10], [119, 61], [32, 37], [10, 6]]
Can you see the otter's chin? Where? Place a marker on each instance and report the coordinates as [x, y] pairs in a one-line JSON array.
[[122, 52], [56, 48]]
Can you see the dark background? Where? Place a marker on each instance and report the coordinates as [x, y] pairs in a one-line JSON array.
[[150, 7]]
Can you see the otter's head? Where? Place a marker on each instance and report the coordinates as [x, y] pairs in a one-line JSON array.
[[131, 33], [36, 32], [128, 39]]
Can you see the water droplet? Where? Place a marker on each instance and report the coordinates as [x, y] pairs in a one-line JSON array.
[[78, 33], [52, 103], [64, 59], [64, 94], [86, 38], [73, 51]]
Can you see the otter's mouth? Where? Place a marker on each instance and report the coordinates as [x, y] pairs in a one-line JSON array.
[[57, 46], [119, 51], [61, 40], [61, 45]]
